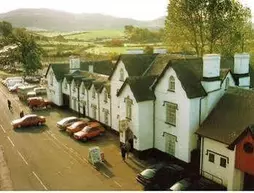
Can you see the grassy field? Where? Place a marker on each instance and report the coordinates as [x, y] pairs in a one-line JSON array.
[[93, 35]]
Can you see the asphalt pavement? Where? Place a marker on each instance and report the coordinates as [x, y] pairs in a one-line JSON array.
[[44, 158]]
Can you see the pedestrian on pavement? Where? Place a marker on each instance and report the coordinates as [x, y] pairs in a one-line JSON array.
[[21, 114], [9, 104], [123, 152], [127, 148]]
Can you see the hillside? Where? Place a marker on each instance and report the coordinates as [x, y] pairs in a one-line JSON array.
[[47, 19]]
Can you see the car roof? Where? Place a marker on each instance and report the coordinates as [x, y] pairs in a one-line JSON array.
[[30, 115]]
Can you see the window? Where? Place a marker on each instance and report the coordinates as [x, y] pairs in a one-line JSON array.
[[83, 89], [105, 96], [93, 93], [121, 75], [65, 84], [106, 117], [171, 113], [171, 85], [51, 78], [128, 103], [248, 147], [170, 141], [227, 83], [211, 157], [94, 111], [223, 162], [73, 87]]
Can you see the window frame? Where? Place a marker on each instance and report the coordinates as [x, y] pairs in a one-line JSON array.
[[171, 111], [171, 85], [211, 157], [121, 78], [128, 108], [223, 162]]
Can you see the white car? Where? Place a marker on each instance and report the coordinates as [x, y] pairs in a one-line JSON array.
[[15, 87], [64, 123]]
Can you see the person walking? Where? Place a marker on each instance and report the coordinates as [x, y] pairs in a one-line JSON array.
[[9, 104], [123, 152], [21, 114], [127, 148]]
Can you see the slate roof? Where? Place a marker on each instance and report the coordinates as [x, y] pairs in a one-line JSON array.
[[189, 70], [59, 70], [135, 64], [230, 117], [140, 87], [101, 67]]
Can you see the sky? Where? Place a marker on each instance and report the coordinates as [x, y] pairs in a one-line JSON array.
[[136, 9]]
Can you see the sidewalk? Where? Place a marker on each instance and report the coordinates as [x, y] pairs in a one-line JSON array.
[[5, 178]]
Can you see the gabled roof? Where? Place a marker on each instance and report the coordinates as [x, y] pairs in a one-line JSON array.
[[189, 72], [59, 70], [135, 64], [101, 67], [230, 117], [140, 87]]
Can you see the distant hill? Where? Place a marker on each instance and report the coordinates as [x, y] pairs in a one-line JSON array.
[[47, 19]]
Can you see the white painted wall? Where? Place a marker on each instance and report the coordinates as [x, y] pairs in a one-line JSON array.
[[229, 176], [134, 122], [115, 85], [83, 99], [211, 86], [241, 63], [212, 98], [244, 82], [54, 92], [93, 101], [145, 131], [74, 96], [104, 105], [67, 89], [181, 130]]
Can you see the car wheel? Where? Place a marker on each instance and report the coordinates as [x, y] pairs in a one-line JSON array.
[[84, 139], [39, 123]]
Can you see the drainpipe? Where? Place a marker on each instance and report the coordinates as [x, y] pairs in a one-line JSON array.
[[154, 124], [78, 101], [99, 118], [110, 108], [87, 103], [202, 140]]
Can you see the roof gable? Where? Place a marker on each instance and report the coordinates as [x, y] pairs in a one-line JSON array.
[[135, 64], [140, 87], [59, 69]]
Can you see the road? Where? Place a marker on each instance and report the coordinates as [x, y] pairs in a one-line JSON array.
[[43, 158]]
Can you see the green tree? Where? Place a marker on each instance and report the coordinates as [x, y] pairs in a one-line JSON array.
[[28, 52], [206, 25]]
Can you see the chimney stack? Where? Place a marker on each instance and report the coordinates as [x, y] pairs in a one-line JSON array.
[[241, 63], [74, 63]]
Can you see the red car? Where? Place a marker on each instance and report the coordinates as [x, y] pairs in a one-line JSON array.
[[28, 120], [77, 126], [90, 131]]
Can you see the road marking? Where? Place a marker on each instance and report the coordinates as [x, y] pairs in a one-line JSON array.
[[11, 141], [39, 180], [2, 128], [22, 157], [117, 183], [106, 175]]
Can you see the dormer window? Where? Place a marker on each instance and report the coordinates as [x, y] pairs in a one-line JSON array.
[[227, 83], [171, 85], [121, 75], [93, 93], [105, 96], [51, 78]]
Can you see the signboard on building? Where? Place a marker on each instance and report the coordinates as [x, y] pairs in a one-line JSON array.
[[123, 125]]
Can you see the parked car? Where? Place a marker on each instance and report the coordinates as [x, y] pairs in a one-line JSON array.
[[196, 183], [14, 87], [92, 130], [77, 126], [40, 91], [160, 176], [38, 102], [64, 123], [28, 120]]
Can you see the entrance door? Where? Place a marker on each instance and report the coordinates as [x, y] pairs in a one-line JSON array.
[[248, 182], [84, 110], [170, 141], [66, 100]]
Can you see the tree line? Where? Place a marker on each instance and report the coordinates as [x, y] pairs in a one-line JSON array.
[[208, 26], [27, 52]]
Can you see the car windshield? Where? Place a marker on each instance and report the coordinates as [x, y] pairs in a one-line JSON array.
[[87, 129], [148, 173], [180, 186]]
